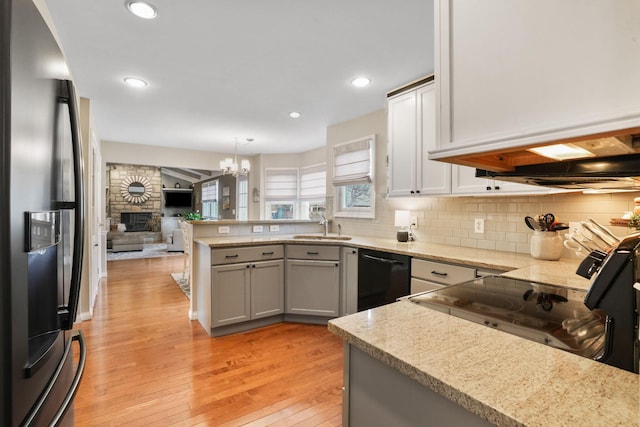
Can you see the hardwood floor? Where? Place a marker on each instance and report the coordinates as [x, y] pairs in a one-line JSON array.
[[148, 364]]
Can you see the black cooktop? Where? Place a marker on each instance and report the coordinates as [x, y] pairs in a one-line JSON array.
[[546, 314]]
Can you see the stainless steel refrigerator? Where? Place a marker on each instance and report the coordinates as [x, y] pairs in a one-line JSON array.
[[41, 225]]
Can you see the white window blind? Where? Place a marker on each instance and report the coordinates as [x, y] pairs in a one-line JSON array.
[[243, 198], [210, 191], [353, 162], [281, 184], [313, 182]]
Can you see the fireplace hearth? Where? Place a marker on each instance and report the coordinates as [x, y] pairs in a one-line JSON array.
[[136, 221]]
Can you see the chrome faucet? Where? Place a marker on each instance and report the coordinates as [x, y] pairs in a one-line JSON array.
[[324, 221], [339, 229]]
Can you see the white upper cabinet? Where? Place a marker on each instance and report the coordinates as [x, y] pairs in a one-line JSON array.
[[412, 136], [411, 130], [465, 183], [515, 73]]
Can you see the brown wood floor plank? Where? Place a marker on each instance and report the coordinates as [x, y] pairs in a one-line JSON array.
[[148, 364]]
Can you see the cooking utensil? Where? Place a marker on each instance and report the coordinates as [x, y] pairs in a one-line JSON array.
[[577, 239], [549, 219], [590, 239], [605, 230], [558, 226], [597, 234], [532, 223]]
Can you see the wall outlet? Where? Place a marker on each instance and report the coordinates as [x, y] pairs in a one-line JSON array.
[[274, 227], [478, 225], [414, 221], [574, 226], [223, 229], [257, 229]]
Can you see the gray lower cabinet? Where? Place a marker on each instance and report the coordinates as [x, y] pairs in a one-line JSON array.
[[247, 291], [267, 289], [313, 280], [349, 304], [230, 294], [376, 394], [244, 288]]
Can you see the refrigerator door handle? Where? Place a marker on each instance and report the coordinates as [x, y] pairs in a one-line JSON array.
[[68, 97], [76, 335]]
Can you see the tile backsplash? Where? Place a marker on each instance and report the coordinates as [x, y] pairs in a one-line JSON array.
[[450, 220]]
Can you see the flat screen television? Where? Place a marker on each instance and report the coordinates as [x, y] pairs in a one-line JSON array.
[[177, 199]]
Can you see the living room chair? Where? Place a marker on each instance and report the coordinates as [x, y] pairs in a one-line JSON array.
[[175, 241]]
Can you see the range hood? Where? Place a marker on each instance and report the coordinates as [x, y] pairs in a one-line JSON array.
[[613, 173]]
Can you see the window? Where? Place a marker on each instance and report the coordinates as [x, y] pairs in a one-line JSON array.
[[243, 198], [313, 190], [292, 193], [210, 200], [281, 193], [353, 165]]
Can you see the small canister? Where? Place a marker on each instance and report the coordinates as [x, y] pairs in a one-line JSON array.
[[546, 245]]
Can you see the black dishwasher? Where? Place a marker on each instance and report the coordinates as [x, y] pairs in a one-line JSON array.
[[382, 278]]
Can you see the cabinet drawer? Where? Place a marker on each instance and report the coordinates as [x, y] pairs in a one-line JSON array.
[[255, 253], [419, 285], [329, 253], [441, 272]]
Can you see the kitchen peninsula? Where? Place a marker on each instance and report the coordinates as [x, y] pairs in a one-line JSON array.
[[493, 375]]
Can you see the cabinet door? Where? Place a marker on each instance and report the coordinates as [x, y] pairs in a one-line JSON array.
[[515, 73], [313, 288], [433, 177], [230, 294], [402, 133], [464, 182], [349, 281], [267, 288]]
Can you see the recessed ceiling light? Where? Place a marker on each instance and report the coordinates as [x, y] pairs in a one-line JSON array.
[[294, 114], [141, 9], [360, 82], [135, 82]]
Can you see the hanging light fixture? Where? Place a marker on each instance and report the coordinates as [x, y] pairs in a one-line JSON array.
[[229, 166]]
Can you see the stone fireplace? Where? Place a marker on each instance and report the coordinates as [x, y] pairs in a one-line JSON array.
[[136, 221], [149, 208]]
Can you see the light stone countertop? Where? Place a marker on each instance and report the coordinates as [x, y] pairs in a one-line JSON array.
[[503, 378], [517, 266]]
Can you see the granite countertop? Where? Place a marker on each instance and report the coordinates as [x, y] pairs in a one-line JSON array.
[[503, 378], [515, 265]]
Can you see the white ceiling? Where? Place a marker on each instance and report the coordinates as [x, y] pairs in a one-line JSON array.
[[224, 69]]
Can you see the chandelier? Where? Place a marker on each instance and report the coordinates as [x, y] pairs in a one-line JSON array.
[[229, 166]]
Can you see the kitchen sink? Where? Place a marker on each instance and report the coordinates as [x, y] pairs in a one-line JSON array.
[[320, 237]]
